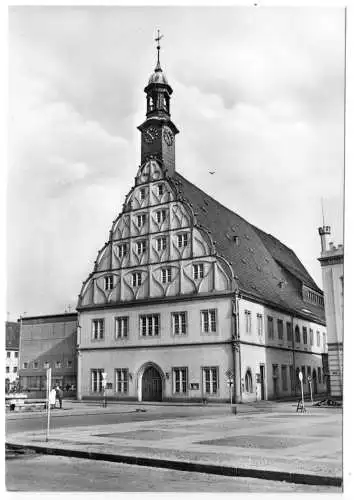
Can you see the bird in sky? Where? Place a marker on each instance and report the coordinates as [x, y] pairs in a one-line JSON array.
[[212, 172]]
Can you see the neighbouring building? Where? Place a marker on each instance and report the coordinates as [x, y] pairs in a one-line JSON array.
[[332, 263], [186, 293], [11, 354], [48, 342]]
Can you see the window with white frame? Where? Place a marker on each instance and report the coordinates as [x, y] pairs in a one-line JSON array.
[[25, 364], [311, 336], [270, 327], [182, 240], [35, 364], [180, 380], [161, 243], [160, 216], [122, 250], [108, 282], [58, 364], [150, 325], [297, 334], [14, 369], [248, 322], [198, 271], [280, 329], [166, 275], [141, 247], [318, 339], [122, 380], [208, 317], [121, 327], [140, 220], [260, 325], [46, 364], [210, 380], [16, 354], [248, 381], [179, 323], [97, 379], [284, 377], [97, 329], [8, 354], [160, 189], [69, 363], [142, 194], [136, 279], [304, 334], [324, 340], [289, 335], [7, 369]]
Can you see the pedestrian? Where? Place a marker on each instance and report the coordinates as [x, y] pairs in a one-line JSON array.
[[59, 395]]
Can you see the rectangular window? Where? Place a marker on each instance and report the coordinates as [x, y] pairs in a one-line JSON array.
[[150, 325], [275, 371], [160, 216], [270, 327], [182, 240], [210, 380], [141, 247], [15, 369], [142, 194], [46, 364], [96, 380], [140, 220], [284, 377], [289, 333], [161, 243], [8, 354], [319, 375], [166, 275], [108, 282], [291, 371], [160, 189], [209, 320], [35, 364], [260, 325], [311, 336], [280, 329], [136, 279], [324, 340], [304, 334], [122, 250], [69, 363], [121, 380], [248, 322], [7, 369], [97, 329], [25, 365], [318, 339], [16, 354], [198, 271], [121, 324], [58, 364], [179, 323], [180, 380]]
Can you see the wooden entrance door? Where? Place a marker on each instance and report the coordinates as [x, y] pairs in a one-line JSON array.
[[151, 385]]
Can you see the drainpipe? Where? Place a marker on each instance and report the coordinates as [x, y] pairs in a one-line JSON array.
[[293, 349], [236, 355]]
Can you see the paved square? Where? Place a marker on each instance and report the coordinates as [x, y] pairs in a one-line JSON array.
[[263, 442]]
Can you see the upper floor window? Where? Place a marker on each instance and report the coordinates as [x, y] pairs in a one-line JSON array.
[[182, 240], [7, 369], [318, 340], [96, 380], [69, 363], [297, 334], [97, 329], [289, 332], [209, 321], [179, 322], [166, 275], [136, 279], [142, 194], [108, 282], [58, 364], [14, 369], [25, 364], [198, 271], [122, 250], [150, 325], [35, 364], [161, 243], [270, 327], [141, 247], [180, 380], [141, 219], [121, 380], [16, 354], [8, 354], [260, 325], [160, 216], [46, 364], [280, 329], [311, 336], [324, 339], [210, 380], [121, 324], [160, 189], [248, 323], [304, 334]]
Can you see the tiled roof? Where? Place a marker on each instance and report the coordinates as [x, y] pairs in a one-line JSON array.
[[12, 335], [263, 266]]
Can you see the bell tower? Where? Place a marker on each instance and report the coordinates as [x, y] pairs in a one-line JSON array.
[[158, 131]]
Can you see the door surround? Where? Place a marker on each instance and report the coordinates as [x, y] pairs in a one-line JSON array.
[[140, 374]]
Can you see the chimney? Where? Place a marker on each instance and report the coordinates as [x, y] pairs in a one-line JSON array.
[[324, 233]]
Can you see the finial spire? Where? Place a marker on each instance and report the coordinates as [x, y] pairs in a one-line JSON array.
[[157, 39]]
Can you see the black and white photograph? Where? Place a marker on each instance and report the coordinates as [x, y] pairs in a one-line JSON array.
[[175, 182]]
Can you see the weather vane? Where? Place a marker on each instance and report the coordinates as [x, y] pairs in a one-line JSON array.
[[157, 39]]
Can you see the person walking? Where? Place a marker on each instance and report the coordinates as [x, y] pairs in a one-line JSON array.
[[59, 395]]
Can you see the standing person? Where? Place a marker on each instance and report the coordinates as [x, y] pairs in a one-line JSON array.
[[59, 395]]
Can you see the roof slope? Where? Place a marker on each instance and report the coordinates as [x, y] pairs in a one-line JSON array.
[[263, 266], [12, 335]]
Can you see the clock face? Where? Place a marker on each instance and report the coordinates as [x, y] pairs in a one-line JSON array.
[[168, 136], [150, 134]]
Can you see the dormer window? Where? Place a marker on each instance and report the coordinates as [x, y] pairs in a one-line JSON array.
[[161, 243], [160, 189], [160, 216], [108, 282], [142, 194], [198, 271], [122, 250], [141, 247], [136, 279], [141, 219], [166, 275], [182, 240]]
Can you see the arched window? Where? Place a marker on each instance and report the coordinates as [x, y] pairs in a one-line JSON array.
[[248, 381], [297, 334]]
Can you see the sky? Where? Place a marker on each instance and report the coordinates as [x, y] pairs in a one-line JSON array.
[[258, 98]]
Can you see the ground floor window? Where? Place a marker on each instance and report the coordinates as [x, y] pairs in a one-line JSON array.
[[319, 375], [180, 380], [96, 380], [121, 380], [248, 381], [210, 380], [292, 382], [284, 378]]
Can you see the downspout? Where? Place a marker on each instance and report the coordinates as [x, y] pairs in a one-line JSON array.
[[237, 355], [293, 349]]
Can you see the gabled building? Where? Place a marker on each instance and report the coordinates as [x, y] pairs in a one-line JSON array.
[[12, 347], [186, 292]]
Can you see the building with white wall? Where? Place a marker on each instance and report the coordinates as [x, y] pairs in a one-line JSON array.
[[11, 354]]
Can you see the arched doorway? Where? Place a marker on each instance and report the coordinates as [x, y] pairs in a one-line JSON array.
[[151, 385], [314, 381]]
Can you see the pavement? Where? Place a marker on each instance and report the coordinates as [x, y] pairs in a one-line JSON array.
[[264, 440]]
